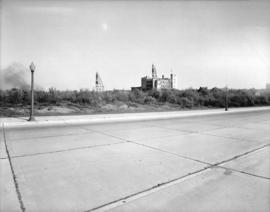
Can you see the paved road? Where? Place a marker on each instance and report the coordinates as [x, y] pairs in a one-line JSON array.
[[206, 163]]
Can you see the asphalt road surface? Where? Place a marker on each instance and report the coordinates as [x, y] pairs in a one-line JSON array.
[[206, 163]]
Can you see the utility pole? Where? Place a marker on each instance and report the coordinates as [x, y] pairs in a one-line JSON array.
[[32, 69]]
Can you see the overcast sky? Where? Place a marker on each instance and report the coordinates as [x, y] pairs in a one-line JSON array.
[[205, 43]]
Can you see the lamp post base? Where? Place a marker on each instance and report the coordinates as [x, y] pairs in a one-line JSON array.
[[32, 118]]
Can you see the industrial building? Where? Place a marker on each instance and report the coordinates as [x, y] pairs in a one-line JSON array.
[[155, 83]]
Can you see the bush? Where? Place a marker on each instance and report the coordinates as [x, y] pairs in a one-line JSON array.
[[121, 95], [168, 96], [137, 96], [185, 102], [149, 100]]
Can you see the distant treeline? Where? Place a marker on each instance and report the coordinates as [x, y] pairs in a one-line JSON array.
[[188, 98]]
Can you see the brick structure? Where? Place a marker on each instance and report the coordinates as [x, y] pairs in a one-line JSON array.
[[152, 83]]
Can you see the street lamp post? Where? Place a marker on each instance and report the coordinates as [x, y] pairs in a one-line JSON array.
[[226, 98], [32, 68]]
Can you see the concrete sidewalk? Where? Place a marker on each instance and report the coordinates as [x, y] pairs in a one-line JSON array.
[[103, 118]]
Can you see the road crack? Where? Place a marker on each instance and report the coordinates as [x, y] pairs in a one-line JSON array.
[[13, 173]]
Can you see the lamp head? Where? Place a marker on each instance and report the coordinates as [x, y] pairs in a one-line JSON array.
[[32, 67]]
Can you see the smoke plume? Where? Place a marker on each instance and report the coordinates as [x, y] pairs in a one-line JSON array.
[[15, 76]]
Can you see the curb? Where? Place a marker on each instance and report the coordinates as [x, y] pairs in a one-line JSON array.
[[125, 117]]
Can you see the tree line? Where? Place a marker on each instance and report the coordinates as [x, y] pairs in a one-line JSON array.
[[188, 98]]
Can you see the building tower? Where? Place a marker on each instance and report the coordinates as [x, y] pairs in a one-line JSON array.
[[173, 80], [154, 72], [154, 77], [99, 85]]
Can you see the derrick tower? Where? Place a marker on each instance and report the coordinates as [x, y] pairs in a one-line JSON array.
[[99, 85]]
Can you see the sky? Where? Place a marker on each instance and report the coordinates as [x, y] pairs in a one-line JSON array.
[[205, 43]]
